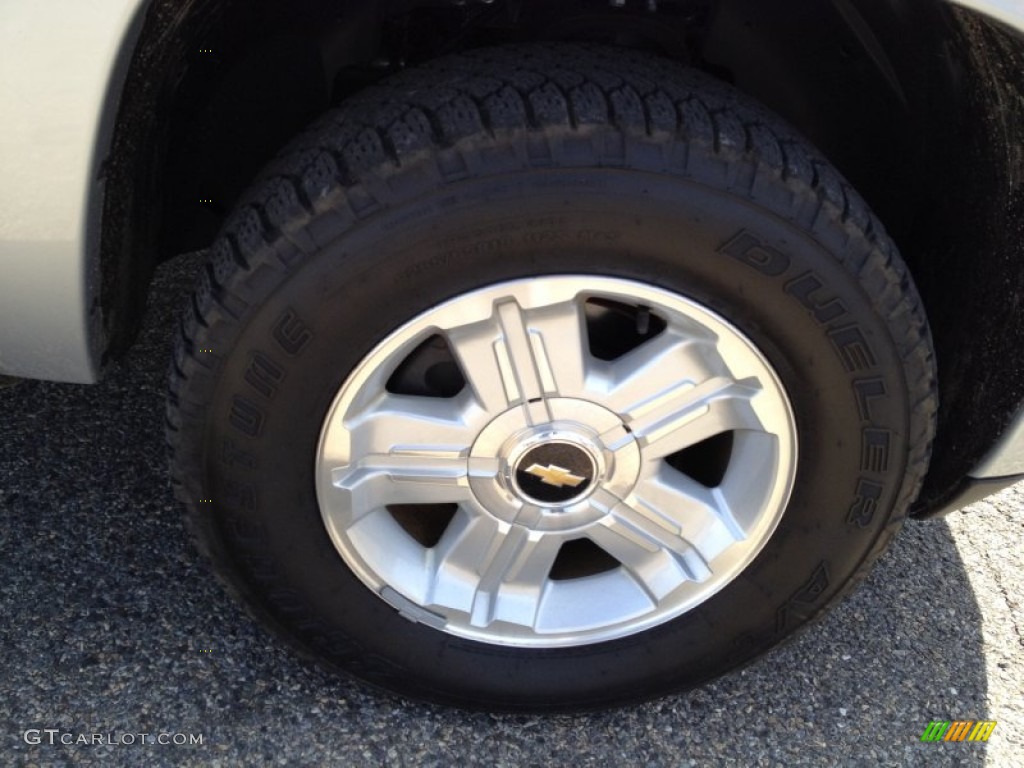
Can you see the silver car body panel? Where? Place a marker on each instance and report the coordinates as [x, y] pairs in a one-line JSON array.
[[52, 143], [57, 59]]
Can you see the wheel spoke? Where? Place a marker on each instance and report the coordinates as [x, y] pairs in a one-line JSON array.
[[404, 478], [658, 536], [511, 583], [713, 407], [406, 421], [698, 515], [655, 367], [519, 358], [495, 571], [685, 414], [558, 335], [406, 450]]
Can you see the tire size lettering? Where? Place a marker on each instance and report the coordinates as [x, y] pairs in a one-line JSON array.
[[233, 456], [264, 375], [806, 288], [864, 506], [854, 351], [597, 236], [852, 348], [547, 237], [509, 236], [506, 230], [867, 390], [805, 597], [238, 495], [246, 417], [874, 452], [848, 340], [291, 334], [752, 252]]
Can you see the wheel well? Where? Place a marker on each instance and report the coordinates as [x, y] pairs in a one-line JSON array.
[[919, 104]]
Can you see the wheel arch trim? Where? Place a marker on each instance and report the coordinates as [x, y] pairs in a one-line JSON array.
[[1007, 456]]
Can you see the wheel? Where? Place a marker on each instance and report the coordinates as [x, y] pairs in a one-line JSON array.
[[548, 378]]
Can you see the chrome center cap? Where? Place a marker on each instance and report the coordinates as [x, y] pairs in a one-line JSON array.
[[559, 475], [554, 472]]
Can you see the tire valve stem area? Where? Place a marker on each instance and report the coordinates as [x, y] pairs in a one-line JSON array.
[[643, 320]]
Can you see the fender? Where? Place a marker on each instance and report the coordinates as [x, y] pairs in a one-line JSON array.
[[51, 197]]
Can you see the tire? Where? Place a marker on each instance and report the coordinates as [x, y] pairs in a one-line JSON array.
[[339, 321]]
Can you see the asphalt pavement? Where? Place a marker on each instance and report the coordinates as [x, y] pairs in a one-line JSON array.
[[113, 627]]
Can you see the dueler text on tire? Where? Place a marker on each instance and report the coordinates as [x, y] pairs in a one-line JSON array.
[[548, 377]]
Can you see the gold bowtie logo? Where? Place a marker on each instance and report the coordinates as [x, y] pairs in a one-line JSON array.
[[555, 475]]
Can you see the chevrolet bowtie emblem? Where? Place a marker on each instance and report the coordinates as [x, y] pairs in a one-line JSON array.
[[555, 475]]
